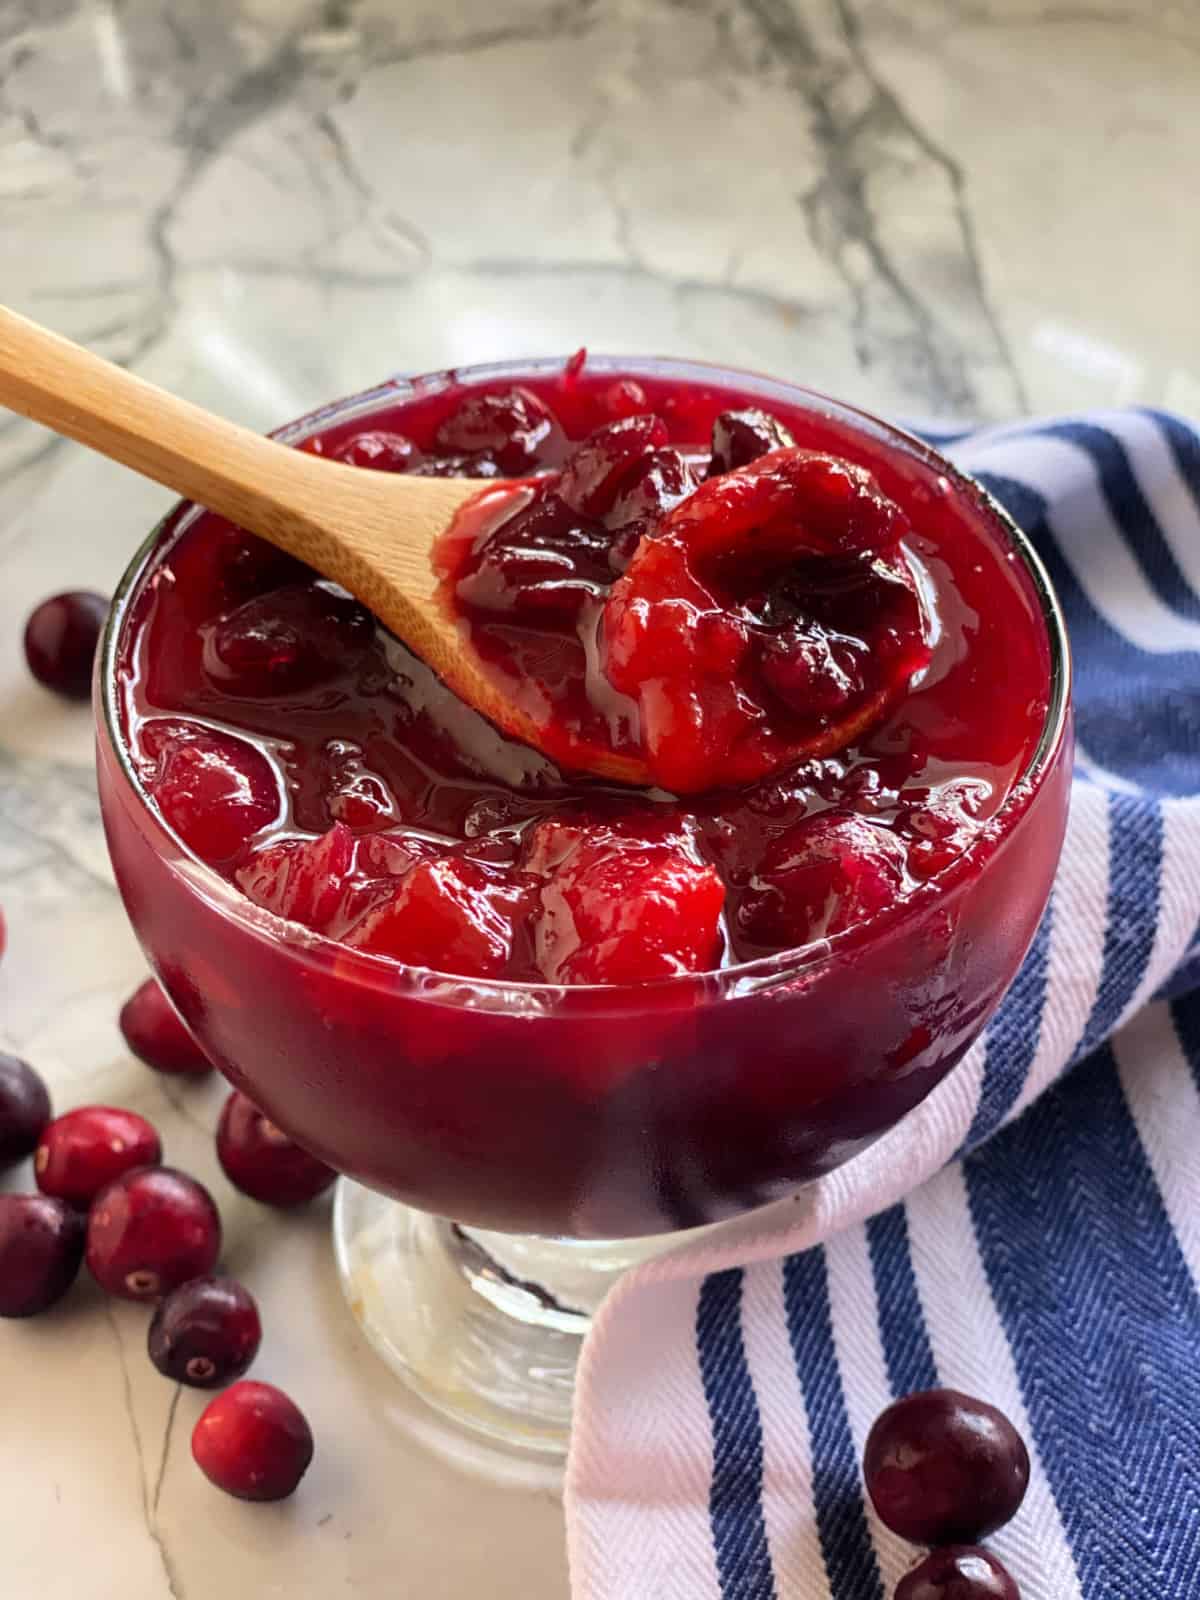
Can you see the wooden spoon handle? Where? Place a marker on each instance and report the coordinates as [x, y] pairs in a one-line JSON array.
[[227, 468]]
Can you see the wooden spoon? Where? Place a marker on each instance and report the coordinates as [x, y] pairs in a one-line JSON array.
[[373, 533]]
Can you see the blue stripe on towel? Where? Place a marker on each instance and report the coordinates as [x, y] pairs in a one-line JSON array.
[[735, 1498]]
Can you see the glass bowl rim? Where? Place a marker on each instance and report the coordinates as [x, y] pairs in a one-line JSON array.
[[762, 971]]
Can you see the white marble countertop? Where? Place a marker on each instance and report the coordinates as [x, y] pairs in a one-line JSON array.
[[936, 207]]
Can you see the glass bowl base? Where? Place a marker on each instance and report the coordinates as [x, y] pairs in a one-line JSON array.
[[486, 1327]]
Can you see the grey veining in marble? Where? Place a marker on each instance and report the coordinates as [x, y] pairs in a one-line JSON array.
[[963, 208]]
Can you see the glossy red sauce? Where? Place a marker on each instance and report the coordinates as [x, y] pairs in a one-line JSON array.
[[318, 765]]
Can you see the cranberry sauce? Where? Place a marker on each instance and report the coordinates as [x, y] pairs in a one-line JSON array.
[[317, 764]]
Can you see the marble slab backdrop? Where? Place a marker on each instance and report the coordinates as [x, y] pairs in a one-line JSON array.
[[959, 208]]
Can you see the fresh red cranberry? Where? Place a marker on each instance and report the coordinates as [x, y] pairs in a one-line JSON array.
[[86, 1148], [291, 639], [61, 638], [303, 880], [152, 1030], [24, 1109], [944, 1468], [215, 790], [205, 1333], [819, 878], [958, 1572], [41, 1246], [597, 470], [253, 1442], [509, 427], [739, 437], [378, 450], [149, 1231], [259, 1159], [451, 914]]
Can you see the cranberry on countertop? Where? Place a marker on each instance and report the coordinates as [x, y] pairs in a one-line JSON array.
[[84, 1149], [24, 1109], [944, 1468], [253, 1442], [149, 1231], [205, 1333], [61, 638], [259, 1159], [958, 1572], [153, 1031], [41, 1246]]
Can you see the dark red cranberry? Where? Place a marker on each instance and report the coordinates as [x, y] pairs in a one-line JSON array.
[[812, 674], [253, 1442], [259, 1159], [291, 639], [382, 452], [24, 1109], [508, 427], [150, 1230], [41, 1246], [597, 470], [659, 481], [152, 1030], [61, 638], [739, 437], [86, 1148], [215, 790], [958, 1572], [944, 1468], [205, 1333]]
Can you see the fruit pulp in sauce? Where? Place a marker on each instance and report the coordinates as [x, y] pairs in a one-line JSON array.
[[319, 766]]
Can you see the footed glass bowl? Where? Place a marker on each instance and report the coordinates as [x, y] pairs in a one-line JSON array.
[[566, 1129]]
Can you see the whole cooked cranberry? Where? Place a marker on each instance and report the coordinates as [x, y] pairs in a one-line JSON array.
[[24, 1109], [215, 790], [86, 1148], [61, 638], [253, 1442], [292, 639], [508, 427], [944, 1468], [383, 452], [813, 674], [659, 481], [150, 1230], [958, 1572], [41, 1246], [259, 1159], [739, 437], [820, 877], [153, 1031], [596, 471], [205, 1333]]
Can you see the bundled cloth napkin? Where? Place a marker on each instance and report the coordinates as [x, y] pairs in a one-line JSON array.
[[1030, 1234]]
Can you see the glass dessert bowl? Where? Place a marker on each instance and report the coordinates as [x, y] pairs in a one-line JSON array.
[[571, 1017]]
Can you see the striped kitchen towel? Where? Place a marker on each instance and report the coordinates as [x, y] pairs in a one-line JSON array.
[[1030, 1234]]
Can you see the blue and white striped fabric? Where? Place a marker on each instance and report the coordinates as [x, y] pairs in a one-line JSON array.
[[1030, 1234]]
